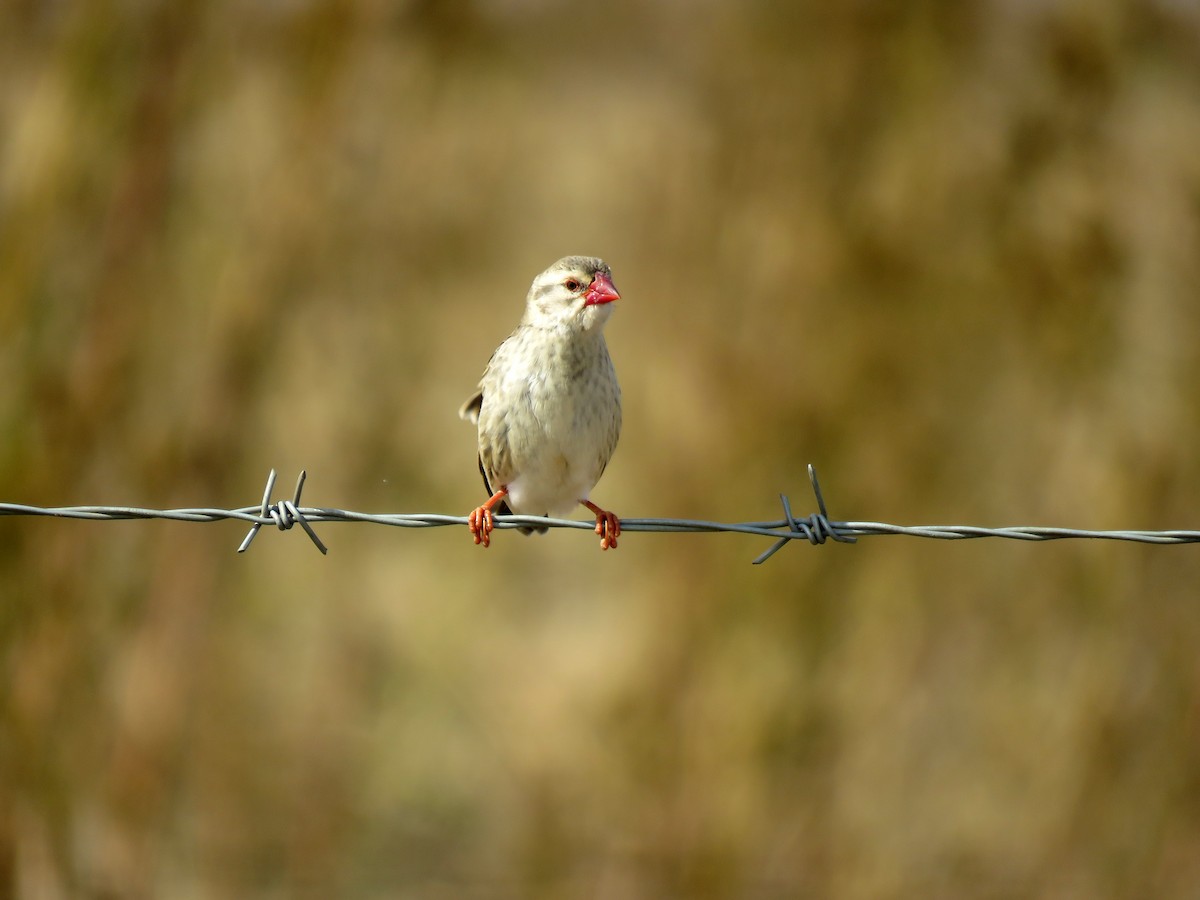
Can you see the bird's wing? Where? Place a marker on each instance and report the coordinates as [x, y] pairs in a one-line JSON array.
[[470, 410], [502, 509], [495, 454], [495, 458], [492, 445], [609, 444]]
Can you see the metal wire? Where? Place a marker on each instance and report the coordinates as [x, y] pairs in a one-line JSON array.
[[815, 528]]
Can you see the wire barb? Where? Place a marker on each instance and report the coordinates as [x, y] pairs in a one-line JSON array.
[[816, 528], [284, 514]]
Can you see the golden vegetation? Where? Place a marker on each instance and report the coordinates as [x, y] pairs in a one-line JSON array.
[[948, 252]]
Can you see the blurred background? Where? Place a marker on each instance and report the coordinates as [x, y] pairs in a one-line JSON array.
[[948, 252]]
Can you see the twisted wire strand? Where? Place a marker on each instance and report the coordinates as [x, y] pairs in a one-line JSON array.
[[814, 529]]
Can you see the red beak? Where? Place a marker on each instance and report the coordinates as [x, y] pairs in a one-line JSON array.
[[601, 290]]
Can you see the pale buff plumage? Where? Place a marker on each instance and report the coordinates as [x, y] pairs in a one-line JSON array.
[[548, 407]]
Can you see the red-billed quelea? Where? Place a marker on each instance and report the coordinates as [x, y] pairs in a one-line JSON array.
[[548, 406]]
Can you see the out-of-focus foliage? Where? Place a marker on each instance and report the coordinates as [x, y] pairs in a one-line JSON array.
[[947, 251]]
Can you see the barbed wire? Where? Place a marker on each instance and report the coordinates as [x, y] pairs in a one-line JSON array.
[[815, 528]]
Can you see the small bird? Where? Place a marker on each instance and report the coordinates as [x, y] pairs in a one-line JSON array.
[[548, 405]]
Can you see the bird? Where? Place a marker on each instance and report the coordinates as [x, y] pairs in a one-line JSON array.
[[548, 407]]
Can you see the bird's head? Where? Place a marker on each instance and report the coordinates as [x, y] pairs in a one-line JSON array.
[[576, 292]]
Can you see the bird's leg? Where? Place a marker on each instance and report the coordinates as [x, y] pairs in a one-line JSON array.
[[481, 521], [608, 526]]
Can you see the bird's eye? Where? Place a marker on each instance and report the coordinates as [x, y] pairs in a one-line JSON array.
[[571, 284]]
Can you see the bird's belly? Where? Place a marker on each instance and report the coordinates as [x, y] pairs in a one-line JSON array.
[[549, 490], [561, 465]]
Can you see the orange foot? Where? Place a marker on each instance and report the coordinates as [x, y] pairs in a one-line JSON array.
[[608, 526], [482, 522]]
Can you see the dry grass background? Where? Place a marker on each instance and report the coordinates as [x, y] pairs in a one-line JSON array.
[[947, 251]]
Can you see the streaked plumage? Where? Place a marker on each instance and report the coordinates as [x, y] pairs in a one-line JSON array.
[[548, 407]]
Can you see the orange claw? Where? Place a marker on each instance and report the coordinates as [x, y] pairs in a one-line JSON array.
[[482, 522], [608, 526]]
